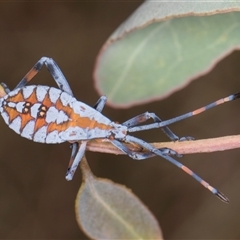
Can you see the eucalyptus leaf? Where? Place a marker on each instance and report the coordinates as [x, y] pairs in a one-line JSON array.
[[163, 46], [106, 210]]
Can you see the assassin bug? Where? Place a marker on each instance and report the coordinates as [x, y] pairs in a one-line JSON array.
[[50, 115]]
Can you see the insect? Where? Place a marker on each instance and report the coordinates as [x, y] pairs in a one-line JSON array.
[[49, 115]]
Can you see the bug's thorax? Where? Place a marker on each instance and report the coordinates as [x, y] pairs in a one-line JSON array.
[[118, 131], [47, 114]]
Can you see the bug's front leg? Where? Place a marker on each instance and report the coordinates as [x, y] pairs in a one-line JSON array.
[[79, 155], [54, 70]]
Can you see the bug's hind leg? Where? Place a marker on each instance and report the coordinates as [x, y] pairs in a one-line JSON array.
[[145, 116], [143, 155], [54, 70], [76, 157], [156, 151]]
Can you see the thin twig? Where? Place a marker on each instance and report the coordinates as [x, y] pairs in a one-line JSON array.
[[185, 147]]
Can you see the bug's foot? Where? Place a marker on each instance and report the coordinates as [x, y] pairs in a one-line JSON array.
[[169, 151], [188, 138]]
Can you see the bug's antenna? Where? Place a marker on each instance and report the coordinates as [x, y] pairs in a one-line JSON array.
[[186, 115]]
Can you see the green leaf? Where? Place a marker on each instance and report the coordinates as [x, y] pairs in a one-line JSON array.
[[149, 57], [106, 210]]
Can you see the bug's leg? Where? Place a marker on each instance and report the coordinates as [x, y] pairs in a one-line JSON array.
[[178, 164], [75, 146], [145, 116], [77, 158], [143, 155], [54, 70], [184, 116], [100, 103]]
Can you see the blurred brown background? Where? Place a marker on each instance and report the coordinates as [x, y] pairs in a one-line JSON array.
[[35, 199]]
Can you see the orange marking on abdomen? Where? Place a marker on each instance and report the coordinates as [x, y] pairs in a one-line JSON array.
[[47, 102], [84, 122], [25, 119], [59, 127], [77, 120], [66, 109], [16, 98], [39, 122], [74, 119], [81, 122], [12, 113], [32, 98]]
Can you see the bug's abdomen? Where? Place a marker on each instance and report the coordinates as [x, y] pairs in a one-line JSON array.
[[44, 114]]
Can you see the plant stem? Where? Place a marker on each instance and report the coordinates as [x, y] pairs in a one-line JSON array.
[[185, 147]]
